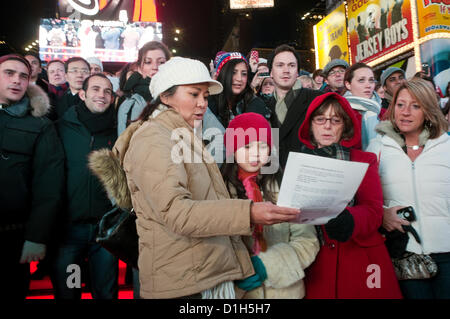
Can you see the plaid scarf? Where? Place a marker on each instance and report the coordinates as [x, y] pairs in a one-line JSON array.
[[254, 193], [59, 90]]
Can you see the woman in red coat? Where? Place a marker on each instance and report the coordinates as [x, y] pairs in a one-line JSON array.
[[353, 261]]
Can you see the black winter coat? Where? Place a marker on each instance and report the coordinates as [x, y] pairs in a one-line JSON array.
[[288, 133], [87, 200], [31, 168]]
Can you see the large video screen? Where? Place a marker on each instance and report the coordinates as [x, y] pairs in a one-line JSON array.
[[110, 41], [250, 4]]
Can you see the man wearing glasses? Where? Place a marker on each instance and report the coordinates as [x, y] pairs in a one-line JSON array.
[[334, 75], [77, 70]]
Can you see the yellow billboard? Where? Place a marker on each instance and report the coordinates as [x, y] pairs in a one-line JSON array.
[[434, 16], [331, 38]]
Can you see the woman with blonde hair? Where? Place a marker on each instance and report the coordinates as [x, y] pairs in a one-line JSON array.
[[413, 150]]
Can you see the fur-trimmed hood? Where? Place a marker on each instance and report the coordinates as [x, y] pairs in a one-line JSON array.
[[386, 128], [39, 101], [35, 101]]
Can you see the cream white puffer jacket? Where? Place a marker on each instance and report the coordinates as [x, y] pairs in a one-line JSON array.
[[423, 184]]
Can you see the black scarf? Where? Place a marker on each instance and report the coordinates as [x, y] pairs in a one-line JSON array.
[[139, 85], [96, 122]]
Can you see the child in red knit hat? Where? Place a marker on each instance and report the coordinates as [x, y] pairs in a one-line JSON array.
[[281, 252]]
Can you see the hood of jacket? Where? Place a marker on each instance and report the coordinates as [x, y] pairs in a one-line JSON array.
[[35, 100], [107, 164], [304, 131], [386, 128]]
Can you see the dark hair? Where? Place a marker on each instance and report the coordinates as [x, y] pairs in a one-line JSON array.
[[347, 132], [152, 105], [230, 177], [280, 49], [350, 71], [75, 59], [446, 90], [318, 72], [35, 55], [86, 81], [224, 99], [150, 46], [423, 76]]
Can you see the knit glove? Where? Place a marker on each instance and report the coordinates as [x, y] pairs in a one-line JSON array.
[[341, 227], [257, 279]]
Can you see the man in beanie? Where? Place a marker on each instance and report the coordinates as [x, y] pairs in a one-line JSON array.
[[87, 126], [290, 101], [31, 175], [77, 70], [95, 64], [334, 75], [390, 80]]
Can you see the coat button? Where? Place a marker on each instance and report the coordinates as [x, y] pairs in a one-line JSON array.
[[331, 246]]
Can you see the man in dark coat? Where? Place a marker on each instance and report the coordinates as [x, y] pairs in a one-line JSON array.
[[290, 101], [77, 70], [83, 128], [31, 175]]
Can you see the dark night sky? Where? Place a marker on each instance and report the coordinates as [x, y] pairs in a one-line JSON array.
[[204, 25]]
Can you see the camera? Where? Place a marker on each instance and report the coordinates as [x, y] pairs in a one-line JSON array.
[[264, 75], [407, 213]]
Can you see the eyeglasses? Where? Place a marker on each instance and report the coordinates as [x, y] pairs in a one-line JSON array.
[[321, 120], [81, 71], [338, 71]]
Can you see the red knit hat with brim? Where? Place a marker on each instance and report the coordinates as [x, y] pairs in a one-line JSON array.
[[245, 129], [17, 58]]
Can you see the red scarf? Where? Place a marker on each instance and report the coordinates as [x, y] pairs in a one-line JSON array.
[[254, 193]]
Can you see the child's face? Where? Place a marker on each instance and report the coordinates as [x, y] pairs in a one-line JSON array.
[[252, 156]]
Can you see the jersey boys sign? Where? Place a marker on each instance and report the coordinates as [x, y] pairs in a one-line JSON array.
[[377, 27]]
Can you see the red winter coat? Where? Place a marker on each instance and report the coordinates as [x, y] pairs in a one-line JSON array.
[[352, 269]]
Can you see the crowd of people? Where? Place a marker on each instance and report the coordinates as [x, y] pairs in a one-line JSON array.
[[207, 219]]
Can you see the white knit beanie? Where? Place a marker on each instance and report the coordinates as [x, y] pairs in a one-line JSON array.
[[181, 71], [95, 60]]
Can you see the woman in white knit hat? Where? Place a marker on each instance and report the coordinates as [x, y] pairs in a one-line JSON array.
[[189, 229]]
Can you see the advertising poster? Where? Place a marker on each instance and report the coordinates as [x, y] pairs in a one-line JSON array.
[[434, 16], [377, 27], [108, 10], [110, 41], [332, 37], [436, 54], [248, 4]]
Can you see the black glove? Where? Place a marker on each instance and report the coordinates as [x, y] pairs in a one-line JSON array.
[[341, 227]]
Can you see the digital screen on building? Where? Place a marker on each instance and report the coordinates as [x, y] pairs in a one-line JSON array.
[[110, 41], [249, 4]]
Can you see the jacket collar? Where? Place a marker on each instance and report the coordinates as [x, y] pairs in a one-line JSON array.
[[35, 101]]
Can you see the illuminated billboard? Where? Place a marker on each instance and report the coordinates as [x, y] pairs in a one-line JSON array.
[[250, 4], [108, 10], [110, 41]]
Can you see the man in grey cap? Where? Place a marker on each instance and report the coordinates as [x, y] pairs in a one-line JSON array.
[[391, 79], [334, 75]]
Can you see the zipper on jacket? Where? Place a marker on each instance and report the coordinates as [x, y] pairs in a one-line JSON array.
[[413, 166]]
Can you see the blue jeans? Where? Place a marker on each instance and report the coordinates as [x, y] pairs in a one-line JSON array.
[[437, 287], [79, 243]]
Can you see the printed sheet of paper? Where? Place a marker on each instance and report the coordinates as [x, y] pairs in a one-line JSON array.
[[320, 187]]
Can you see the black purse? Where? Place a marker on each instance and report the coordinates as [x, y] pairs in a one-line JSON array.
[[117, 233]]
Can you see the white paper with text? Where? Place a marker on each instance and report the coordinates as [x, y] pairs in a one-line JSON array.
[[320, 187]]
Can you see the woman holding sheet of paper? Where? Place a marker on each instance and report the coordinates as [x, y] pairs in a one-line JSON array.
[[353, 261]]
